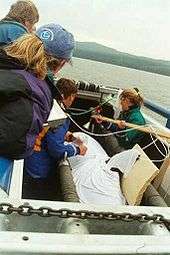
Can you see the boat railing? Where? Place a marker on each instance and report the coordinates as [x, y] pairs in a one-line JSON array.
[[156, 108]]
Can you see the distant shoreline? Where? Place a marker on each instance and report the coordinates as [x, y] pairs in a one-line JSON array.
[[103, 54]]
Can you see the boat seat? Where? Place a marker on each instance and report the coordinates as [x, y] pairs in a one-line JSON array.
[[6, 168], [139, 178], [157, 152], [152, 151]]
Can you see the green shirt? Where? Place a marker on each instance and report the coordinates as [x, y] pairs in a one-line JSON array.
[[130, 138]]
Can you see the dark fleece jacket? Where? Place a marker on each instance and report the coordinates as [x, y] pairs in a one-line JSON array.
[[25, 104]]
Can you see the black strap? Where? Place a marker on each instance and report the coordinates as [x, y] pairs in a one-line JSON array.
[[117, 170]]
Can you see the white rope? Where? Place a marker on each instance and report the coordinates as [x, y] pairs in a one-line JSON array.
[[149, 144], [160, 139], [167, 150], [100, 135]]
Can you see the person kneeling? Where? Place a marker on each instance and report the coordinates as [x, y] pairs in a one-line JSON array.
[[124, 138], [51, 146]]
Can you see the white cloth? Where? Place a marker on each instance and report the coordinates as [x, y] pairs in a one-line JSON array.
[[95, 182], [123, 161], [117, 105]]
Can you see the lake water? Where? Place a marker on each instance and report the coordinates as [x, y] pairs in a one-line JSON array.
[[153, 86]]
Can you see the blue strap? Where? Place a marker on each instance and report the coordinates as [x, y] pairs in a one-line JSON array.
[[6, 167]]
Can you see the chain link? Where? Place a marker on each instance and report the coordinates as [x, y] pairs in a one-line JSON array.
[[27, 210]]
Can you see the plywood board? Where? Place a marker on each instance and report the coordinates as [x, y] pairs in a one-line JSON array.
[[138, 179]]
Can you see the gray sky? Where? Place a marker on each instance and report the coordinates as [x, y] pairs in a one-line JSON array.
[[140, 27]]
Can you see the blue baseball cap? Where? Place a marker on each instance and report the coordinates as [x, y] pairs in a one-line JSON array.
[[57, 41]]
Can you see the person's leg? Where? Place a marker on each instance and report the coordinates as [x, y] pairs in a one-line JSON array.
[[32, 188], [109, 143]]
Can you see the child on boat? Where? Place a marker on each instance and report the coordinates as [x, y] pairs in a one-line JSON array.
[[51, 146], [131, 102]]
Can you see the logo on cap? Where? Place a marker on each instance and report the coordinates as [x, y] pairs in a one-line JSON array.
[[47, 34]]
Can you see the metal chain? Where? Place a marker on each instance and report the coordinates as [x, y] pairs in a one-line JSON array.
[[27, 210]]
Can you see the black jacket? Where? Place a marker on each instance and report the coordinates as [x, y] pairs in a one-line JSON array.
[[25, 104]]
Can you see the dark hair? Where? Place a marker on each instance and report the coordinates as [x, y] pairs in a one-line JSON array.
[[66, 87], [133, 95]]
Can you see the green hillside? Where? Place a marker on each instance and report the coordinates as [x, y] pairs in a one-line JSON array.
[[98, 52]]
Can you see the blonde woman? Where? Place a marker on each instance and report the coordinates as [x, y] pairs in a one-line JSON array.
[[21, 19], [26, 95]]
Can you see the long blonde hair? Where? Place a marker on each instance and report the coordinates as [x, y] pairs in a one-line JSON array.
[[29, 50]]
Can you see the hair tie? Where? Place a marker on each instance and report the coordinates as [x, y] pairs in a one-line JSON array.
[[137, 91]]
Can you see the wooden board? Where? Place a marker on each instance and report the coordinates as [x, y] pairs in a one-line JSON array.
[[139, 178]]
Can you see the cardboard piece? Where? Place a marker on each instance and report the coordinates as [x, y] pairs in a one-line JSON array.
[[139, 178]]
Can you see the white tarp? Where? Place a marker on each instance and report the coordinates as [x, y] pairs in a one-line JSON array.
[[95, 182]]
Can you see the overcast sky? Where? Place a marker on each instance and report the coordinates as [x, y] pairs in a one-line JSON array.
[[140, 27]]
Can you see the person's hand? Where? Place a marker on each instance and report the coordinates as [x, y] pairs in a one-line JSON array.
[[121, 124], [83, 149], [77, 140], [98, 118], [69, 136]]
